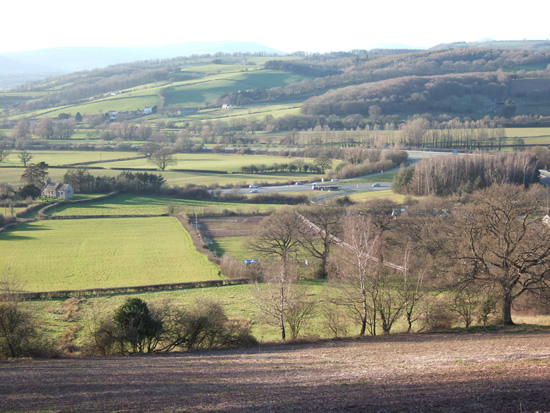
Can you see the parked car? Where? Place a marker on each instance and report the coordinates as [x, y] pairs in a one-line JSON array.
[[334, 180]]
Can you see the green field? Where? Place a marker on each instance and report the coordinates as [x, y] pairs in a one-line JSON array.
[[237, 301], [57, 158], [203, 161], [231, 245], [386, 194], [129, 204], [12, 176], [91, 253], [206, 89]]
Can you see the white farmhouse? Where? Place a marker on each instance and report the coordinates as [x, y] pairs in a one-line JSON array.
[[57, 190]]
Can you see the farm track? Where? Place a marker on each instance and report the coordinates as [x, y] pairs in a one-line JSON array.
[[423, 372]]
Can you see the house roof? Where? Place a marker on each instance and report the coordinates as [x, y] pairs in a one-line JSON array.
[[55, 186]]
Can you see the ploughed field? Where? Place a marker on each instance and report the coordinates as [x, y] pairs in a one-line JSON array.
[[504, 372]]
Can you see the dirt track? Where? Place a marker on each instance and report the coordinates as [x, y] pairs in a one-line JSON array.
[[439, 372]]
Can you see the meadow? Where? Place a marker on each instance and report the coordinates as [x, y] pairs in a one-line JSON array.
[[201, 161], [204, 161], [130, 204], [12, 176], [59, 158], [90, 253]]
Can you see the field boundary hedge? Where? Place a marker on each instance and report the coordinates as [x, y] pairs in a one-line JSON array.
[[108, 160], [131, 289], [197, 239], [103, 216]]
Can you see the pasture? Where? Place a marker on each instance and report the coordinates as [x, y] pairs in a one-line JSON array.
[[91, 253], [222, 79], [204, 161], [59, 158], [12, 176], [385, 194], [129, 204]]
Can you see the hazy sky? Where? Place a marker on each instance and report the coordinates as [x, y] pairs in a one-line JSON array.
[[313, 26]]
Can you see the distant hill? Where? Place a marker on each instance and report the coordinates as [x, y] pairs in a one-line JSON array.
[[496, 44], [18, 67]]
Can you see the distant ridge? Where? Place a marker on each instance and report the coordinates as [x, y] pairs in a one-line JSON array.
[[46, 62], [495, 44]]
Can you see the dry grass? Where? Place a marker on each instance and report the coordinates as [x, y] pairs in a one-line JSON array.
[[424, 372]]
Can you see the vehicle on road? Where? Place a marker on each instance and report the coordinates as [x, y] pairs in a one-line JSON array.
[[326, 188], [252, 186], [254, 191], [299, 183], [376, 185]]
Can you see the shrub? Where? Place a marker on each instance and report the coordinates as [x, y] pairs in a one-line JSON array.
[[439, 315], [136, 329], [234, 268], [19, 335]]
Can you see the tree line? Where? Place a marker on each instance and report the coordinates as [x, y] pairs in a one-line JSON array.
[[457, 175], [437, 264], [429, 268]]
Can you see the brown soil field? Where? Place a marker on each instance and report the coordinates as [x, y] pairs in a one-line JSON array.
[[473, 372], [232, 226]]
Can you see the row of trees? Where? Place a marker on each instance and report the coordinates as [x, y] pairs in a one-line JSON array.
[[382, 268], [320, 165], [448, 175]]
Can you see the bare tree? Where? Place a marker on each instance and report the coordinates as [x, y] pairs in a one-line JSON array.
[[321, 224], [25, 157], [284, 303], [353, 271], [163, 158], [3, 153], [500, 242], [278, 242]]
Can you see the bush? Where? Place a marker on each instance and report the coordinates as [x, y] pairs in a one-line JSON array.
[[19, 335], [234, 268], [439, 315], [136, 329]]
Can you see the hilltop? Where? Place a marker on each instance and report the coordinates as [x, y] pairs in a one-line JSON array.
[[269, 92], [17, 68]]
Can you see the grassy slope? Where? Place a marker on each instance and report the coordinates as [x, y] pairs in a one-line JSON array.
[[128, 204], [77, 254], [55, 158]]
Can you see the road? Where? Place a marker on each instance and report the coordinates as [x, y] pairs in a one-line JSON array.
[[345, 188]]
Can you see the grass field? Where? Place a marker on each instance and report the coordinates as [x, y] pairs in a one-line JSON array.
[[224, 79], [129, 204], [204, 161], [12, 176], [79, 254], [386, 194], [57, 158]]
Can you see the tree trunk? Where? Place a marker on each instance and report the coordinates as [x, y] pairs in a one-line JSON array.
[[507, 310]]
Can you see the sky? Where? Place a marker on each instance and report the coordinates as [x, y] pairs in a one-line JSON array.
[[285, 25]]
